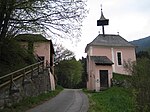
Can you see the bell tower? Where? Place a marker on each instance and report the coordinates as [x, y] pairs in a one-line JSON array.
[[102, 22]]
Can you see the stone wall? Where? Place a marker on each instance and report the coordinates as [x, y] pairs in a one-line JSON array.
[[29, 85]]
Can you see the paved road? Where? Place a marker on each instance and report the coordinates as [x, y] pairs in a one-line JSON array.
[[69, 100]]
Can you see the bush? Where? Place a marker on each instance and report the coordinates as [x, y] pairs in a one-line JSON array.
[[140, 82], [13, 57], [121, 80], [69, 73]]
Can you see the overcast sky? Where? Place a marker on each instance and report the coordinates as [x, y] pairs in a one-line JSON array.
[[131, 18]]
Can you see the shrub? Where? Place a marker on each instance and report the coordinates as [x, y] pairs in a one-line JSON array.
[[140, 82], [13, 57]]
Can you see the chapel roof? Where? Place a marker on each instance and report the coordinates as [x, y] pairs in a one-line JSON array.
[[109, 40]]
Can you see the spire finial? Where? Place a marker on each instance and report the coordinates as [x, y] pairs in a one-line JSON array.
[[118, 33], [101, 7]]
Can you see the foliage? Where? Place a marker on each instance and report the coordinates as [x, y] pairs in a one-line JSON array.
[[30, 37], [59, 17], [120, 77], [61, 53], [143, 54], [121, 80], [13, 57], [69, 73], [29, 102], [141, 84], [84, 74], [115, 99]]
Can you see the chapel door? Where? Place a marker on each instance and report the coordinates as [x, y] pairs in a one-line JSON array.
[[103, 78]]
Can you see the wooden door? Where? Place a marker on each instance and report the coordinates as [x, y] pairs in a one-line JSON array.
[[103, 78]]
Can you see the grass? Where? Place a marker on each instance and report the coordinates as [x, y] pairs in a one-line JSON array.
[[30, 102], [120, 77], [115, 99]]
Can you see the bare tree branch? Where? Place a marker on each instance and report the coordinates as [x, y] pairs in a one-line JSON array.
[[62, 53], [61, 17]]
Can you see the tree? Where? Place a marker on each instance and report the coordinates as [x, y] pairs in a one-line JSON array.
[[143, 54], [61, 53], [69, 73], [57, 17], [13, 56], [140, 82], [84, 73]]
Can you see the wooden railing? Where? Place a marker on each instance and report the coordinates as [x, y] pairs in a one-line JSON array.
[[11, 77]]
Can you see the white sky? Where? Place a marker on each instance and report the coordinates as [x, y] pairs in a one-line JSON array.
[[131, 18]]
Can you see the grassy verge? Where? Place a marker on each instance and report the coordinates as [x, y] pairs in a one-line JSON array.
[[121, 77], [30, 102], [115, 99]]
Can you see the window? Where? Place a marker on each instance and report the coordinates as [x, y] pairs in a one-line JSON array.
[[41, 58], [119, 58]]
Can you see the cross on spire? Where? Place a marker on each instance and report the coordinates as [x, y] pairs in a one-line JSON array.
[[102, 21]]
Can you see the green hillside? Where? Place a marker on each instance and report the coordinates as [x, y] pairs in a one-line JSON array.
[[142, 44]]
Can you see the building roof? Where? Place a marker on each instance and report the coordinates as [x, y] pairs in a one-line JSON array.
[[109, 40], [34, 38], [101, 60], [31, 37]]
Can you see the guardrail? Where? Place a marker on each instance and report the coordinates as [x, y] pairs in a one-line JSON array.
[[11, 77]]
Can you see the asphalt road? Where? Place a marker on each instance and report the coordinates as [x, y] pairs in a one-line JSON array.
[[69, 100]]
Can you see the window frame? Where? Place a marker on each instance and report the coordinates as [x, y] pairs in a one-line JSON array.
[[119, 61]]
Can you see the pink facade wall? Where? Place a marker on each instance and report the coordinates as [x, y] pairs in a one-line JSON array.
[[91, 75], [94, 75], [43, 49], [97, 75], [128, 53], [40, 48], [101, 51]]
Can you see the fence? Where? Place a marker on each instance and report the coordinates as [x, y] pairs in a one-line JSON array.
[[11, 77], [28, 81]]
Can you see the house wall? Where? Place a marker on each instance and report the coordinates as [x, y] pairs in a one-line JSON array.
[[91, 77], [128, 53], [93, 82], [43, 49], [102, 51], [97, 75]]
